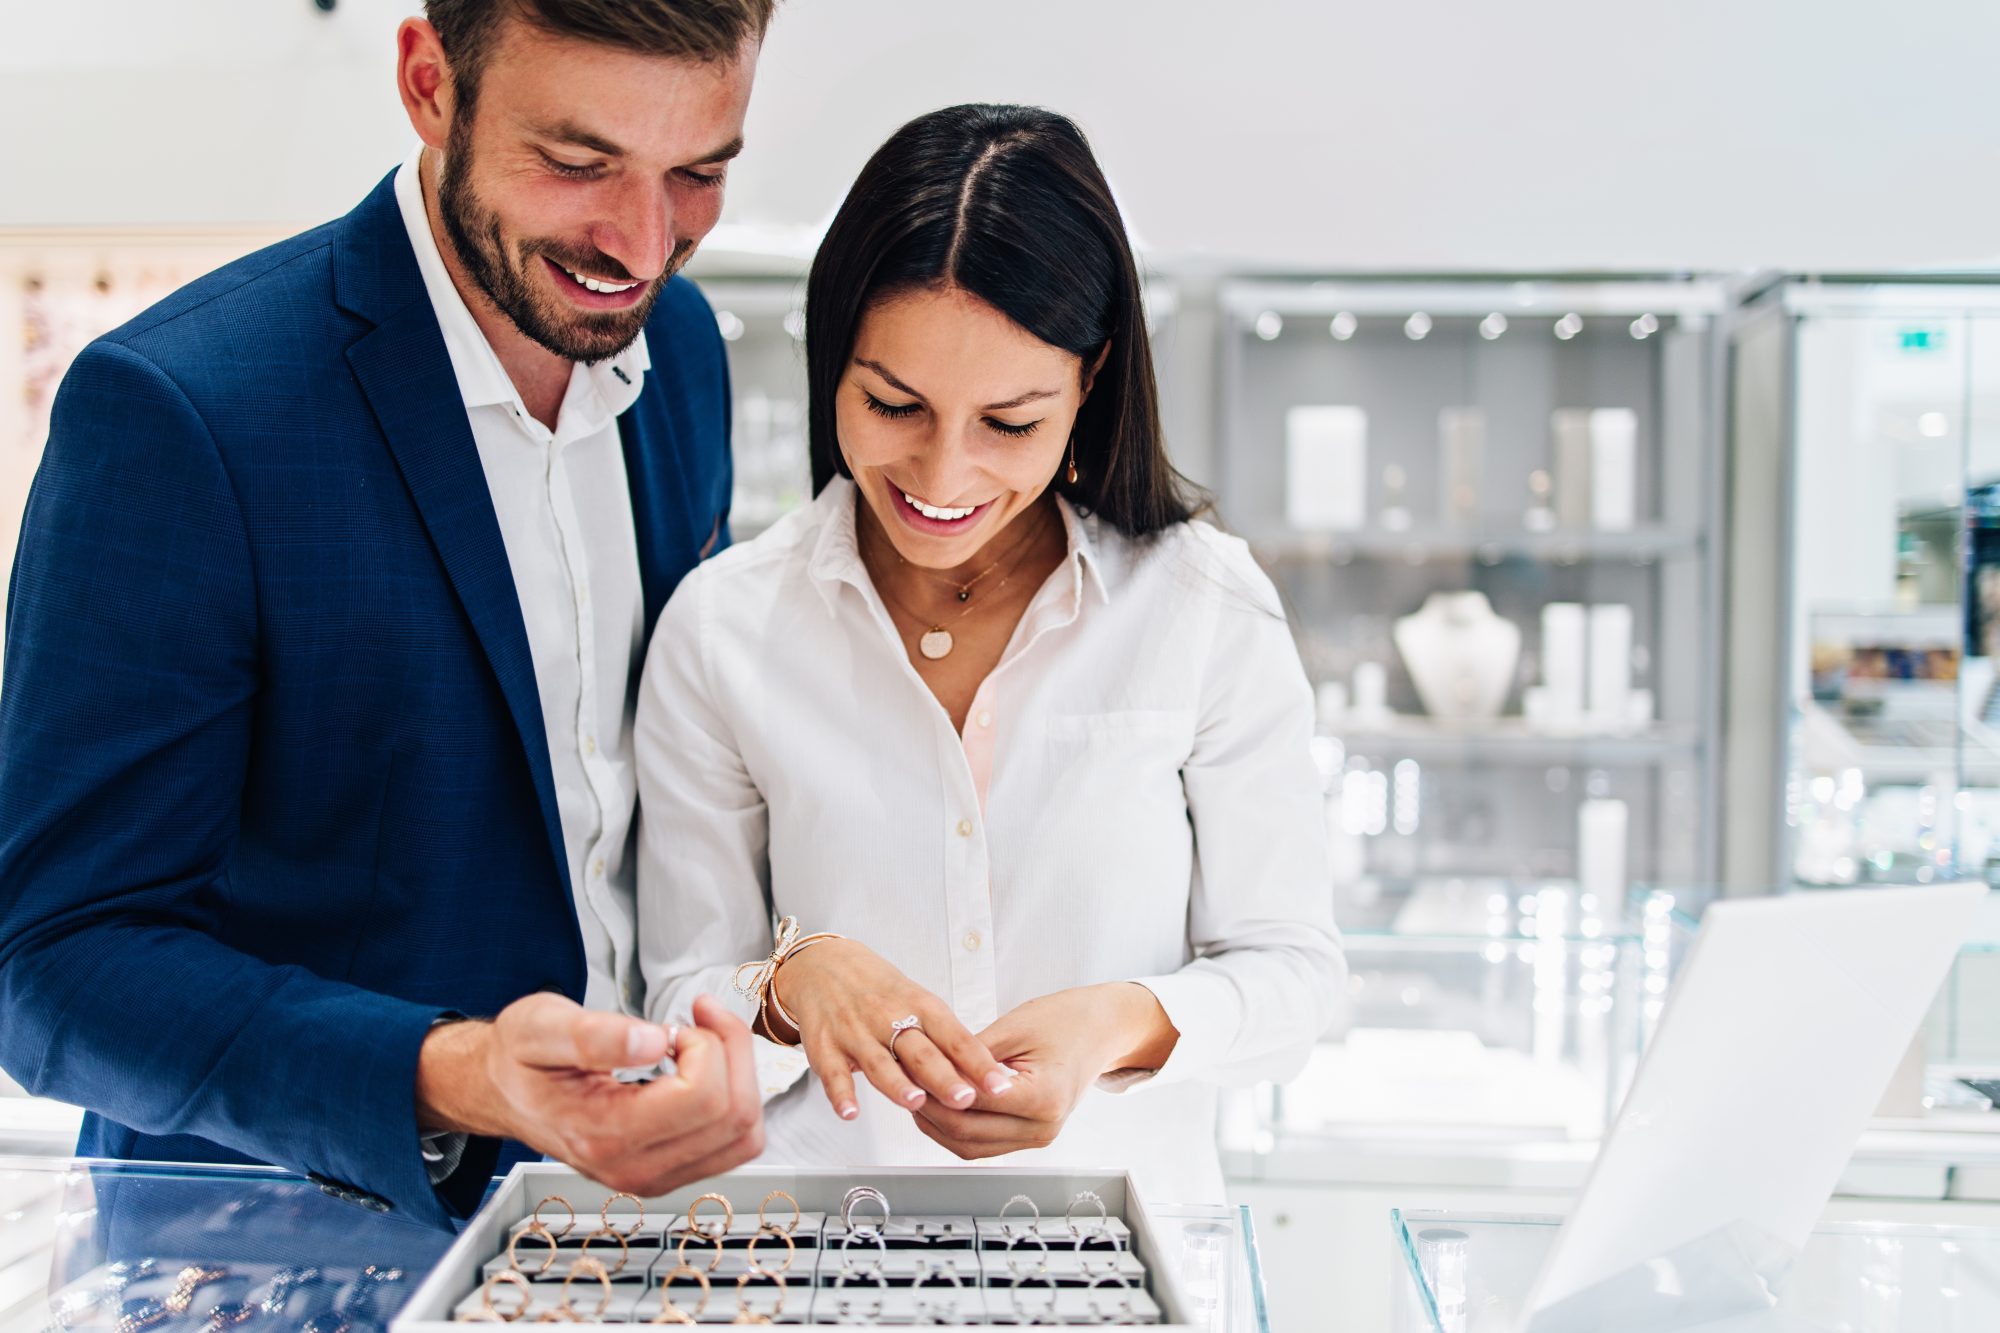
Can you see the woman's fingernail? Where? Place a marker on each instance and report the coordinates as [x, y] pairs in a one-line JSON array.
[[914, 1096], [848, 1110], [997, 1082], [962, 1095]]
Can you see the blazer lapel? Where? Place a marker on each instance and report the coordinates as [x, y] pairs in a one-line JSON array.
[[406, 373]]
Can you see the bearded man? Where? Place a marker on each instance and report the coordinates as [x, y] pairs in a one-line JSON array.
[[316, 787]]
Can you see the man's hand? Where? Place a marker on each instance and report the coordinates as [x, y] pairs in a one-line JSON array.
[[1057, 1046], [541, 1073]]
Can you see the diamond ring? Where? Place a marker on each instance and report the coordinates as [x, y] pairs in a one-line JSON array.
[[898, 1028]]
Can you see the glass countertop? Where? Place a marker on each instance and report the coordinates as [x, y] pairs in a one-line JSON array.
[[1467, 1273], [84, 1245]]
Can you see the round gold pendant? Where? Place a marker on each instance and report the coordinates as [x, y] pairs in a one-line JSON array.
[[935, 644]]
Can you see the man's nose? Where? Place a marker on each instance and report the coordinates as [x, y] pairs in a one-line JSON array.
[[638, 229]]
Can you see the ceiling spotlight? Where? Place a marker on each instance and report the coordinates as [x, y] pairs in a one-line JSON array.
[[1645, 327], [1417, 327], [1343, 325], [1933, 425], [1492, 326], [1269, 325], [729, 324], [1569, 326]]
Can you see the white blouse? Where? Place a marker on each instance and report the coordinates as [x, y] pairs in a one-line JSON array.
[[1133, 799]]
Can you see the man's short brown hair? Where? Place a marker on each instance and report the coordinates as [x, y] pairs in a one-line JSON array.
[[708, 30]]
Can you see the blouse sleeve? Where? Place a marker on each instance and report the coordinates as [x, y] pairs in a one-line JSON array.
[[704, 866], [1267, 965]]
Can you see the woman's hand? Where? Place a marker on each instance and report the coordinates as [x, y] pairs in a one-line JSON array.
[[846, 997], [1057, 1046]]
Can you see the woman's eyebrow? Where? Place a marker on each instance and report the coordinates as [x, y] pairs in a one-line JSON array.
[[1020, 400]]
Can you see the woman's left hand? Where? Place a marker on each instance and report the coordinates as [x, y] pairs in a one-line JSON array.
[[1057, 1046]]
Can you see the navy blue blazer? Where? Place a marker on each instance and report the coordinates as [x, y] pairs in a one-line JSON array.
[[274, 790]]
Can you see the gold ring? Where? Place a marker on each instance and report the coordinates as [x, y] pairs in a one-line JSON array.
[[778, 1194], [585, 1266], [567, 1226], [791, 1247], [671, 1313], [746, 1315], [506, 1277], [624, 1249], [728, 1213], [682, 1250], [547, 1238], [604, 1213]]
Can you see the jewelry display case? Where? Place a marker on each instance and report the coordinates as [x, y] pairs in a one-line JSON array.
[[127, 1247], [1865, 592], [1489, 507]]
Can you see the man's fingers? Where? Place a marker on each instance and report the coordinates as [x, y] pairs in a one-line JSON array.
[[552, 1032], [746, 1105]]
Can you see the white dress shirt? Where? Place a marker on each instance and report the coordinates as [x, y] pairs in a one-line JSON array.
[[1133, 799], [565, 511]]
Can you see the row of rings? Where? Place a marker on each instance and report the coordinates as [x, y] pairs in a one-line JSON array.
[[670, 1313], [606, 1229]]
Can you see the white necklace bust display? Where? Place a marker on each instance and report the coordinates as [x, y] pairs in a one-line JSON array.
[[1460, 655]]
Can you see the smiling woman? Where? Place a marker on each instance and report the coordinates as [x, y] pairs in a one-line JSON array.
[[1019, 746]]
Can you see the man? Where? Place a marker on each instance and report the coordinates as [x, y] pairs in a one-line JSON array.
[[323, 635]]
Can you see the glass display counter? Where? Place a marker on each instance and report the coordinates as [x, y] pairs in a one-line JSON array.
[[131, 1248], [1463, 1273]]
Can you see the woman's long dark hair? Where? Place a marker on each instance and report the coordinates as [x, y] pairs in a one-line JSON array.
[[1008, 204]]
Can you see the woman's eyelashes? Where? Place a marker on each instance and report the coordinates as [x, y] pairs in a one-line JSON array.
[[901, 411]]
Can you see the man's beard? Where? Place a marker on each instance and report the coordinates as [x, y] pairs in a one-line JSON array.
[[474, 232]]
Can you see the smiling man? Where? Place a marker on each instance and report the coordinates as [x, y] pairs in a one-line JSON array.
[[322, 647]]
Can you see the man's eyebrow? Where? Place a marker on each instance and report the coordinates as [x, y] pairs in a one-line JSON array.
[[722, 154], [1032, 396], [567, 131]]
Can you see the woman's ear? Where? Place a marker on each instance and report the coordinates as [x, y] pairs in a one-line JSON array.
[[1090, 370]]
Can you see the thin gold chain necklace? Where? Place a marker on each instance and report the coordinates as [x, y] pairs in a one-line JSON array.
[[936, 643]]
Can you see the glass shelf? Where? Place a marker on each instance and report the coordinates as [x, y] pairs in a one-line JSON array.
[[1418, 545], [1473, 1273], [1512, 740]]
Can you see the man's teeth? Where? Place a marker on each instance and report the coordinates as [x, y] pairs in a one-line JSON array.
[[933, 512], [594, 285]]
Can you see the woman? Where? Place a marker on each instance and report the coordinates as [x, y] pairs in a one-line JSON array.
[[994, 708]]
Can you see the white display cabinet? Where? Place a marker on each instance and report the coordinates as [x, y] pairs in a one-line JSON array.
[[1490, 506]]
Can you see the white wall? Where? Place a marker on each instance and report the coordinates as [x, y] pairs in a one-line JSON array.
[[1419, 133]]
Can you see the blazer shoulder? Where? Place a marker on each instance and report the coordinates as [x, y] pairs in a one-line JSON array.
[[262, 283]]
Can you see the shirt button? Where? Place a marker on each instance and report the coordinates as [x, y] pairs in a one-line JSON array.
[[598, 868], [964, 828], [972, 941], [985, 719], [590, 745]]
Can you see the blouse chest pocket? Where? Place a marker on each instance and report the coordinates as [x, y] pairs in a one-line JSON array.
[[1132, 752]]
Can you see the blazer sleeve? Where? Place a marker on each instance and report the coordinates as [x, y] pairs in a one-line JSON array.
[[126, 727]]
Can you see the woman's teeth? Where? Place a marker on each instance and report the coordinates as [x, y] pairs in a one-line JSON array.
[[933, 512], [594, 285]]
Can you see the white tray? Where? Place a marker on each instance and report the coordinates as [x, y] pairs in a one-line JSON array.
[[959, 1191]]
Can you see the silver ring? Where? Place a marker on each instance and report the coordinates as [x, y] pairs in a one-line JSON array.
[[943, 1311], [896, 1029], [864, 1194], [1084, 1198], [1124, 1314], [1048, 1311], [1007, 1227]]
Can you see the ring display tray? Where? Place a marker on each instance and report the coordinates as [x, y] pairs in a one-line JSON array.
[[961, 1246]]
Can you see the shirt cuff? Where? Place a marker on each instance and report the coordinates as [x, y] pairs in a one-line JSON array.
[[442, 1153], [1205, 1010]]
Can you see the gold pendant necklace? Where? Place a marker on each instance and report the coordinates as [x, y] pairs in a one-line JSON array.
[[936, 643]]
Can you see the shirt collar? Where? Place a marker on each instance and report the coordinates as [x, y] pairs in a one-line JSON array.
[[836, 553], [598, 392]]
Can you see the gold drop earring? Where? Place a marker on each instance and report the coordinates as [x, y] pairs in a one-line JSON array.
[[1074, 475]]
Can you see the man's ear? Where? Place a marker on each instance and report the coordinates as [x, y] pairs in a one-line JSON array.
[[1090, 371]]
